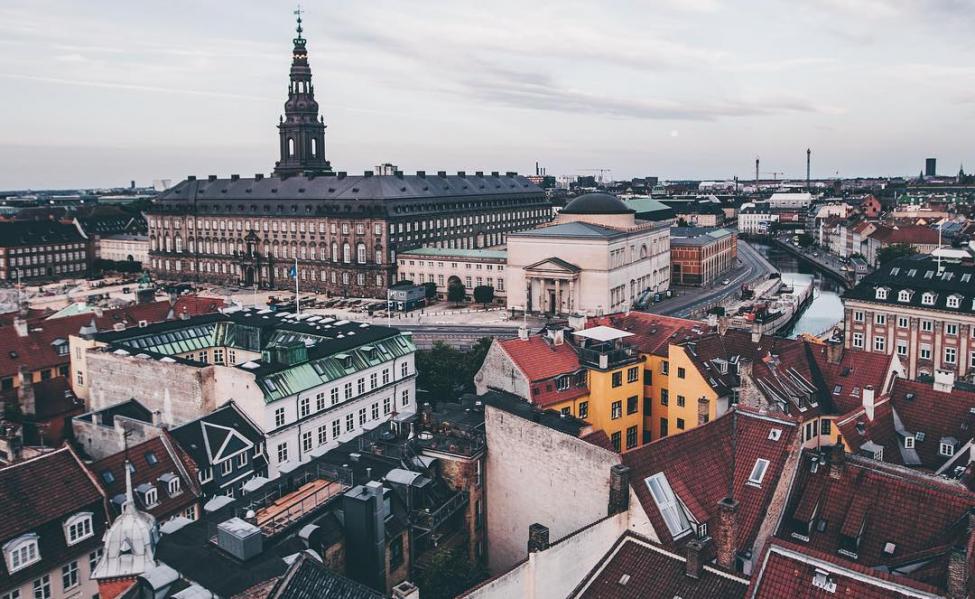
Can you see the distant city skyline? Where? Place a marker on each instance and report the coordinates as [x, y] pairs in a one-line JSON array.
[[100, 93]]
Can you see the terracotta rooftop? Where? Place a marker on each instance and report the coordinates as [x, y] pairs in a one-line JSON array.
[[791, 570], [637, 568], [915, 411], [652, 333], [698, 466], [877, 515], [540, 359], [910, 234]]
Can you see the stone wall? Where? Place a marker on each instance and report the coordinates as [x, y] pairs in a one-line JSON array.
[[499, 372], [100, 441], [177, 391], [536, 474]]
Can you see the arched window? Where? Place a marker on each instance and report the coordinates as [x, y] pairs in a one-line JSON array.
[[324, 256], [379, 256], [335, 252], [314, 147], [192, 245], [346, 253], [360, 253], [643, 251], [291, 146], [168, 244], [179, 244]]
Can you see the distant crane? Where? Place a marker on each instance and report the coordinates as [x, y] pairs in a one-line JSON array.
[[601, 172], [775, 174]]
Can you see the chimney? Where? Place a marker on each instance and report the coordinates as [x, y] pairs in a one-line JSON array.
[[958, 573], [577, 322], [944, 381], [406, 590], [25, 393], [426, 415], [558, 337], [723, 323], [869, 401], [537, 538], [619, 489], [694, 551], [20, 325], [156, 418], [726, 532], [523, 333], [837, 461], [834, 352], [756, 333]]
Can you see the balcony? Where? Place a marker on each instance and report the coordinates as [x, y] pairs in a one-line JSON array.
[[605, 358]]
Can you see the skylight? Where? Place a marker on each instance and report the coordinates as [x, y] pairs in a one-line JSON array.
[[758, 471], [663, 496]]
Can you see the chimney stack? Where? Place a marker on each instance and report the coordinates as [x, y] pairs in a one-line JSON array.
[[726, 533], [944, 381], [523, 333], [20, 325], [723, 323], [958, 573], [25, 393], [426, 415], [694, 551], [537, 538], [837, 461], [869, 401], [406, 590], [619, 489], [756, 333], [834, 352]]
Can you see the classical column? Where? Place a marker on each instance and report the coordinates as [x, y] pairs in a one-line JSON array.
[[572, 294], [558, 296]]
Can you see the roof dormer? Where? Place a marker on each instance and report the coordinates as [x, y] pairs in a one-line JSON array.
[[881, 293], [904, 295], [928, 298], [21, 552], [954, 300], [78, 527]]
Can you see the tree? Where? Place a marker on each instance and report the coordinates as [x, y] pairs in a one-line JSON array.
[[456, 293], [430, 290], [448, 574], [806, 240], [484, 294], [446, 372], [893, 252]]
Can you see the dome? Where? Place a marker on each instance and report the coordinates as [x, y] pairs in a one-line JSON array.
[[130, 542], [597, 203]]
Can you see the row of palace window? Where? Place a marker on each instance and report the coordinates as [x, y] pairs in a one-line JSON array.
[[175, 245], [928, 298], [35, 259], [349, 391], [272, 226], [310, 439], [924, 349]]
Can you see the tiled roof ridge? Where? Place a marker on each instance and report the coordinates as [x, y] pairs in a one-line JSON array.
[[826, 561], [27, 461], [910, 475]]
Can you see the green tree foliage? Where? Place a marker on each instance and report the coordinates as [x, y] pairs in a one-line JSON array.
[[893, 252], [484, 294], [806, 240], [430, 290], [446, 372], [448, 574], [456, 293]]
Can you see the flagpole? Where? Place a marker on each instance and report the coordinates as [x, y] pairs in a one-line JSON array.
[[297, 297]]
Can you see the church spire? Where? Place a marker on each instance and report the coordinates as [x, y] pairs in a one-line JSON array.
[[301, 130]]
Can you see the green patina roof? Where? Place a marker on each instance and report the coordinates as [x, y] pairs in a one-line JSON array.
[[458, 253], [319, 371]]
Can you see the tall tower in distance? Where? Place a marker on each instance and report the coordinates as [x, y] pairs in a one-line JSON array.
[[301, 129], [931, 167], [808, 161]]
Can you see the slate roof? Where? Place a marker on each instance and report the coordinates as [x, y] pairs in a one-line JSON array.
[[432, 252], [331, 192], [919, 274], [36, 496], [650, 209], [597, 203], [574, 229], [153, 464], [27, 233], [307, 578], [697, 235], [653, 572], [922, 516], [789, 569], [698, 465], [204, 439], [910, 408]]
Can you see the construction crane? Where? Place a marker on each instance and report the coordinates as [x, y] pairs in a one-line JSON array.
[[601, 171], [775, 174]]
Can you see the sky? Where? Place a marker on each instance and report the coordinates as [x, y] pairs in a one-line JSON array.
[[99, 93]]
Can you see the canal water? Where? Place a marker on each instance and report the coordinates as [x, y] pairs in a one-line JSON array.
[[826, 308]]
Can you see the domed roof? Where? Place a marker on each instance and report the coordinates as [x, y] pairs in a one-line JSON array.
[[130, 542], [597, 203]]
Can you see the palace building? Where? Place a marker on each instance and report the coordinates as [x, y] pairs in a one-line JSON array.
[[344, 230]]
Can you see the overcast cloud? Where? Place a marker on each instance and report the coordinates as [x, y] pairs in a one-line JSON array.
[[98, 93]]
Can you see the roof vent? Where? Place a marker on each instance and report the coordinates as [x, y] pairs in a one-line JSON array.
[[624, 579], [442, 174], [191, 177], [258, 176], [234, 177], [239, 538], [909, 396], [421, 174], [211, 177], [822, 580]]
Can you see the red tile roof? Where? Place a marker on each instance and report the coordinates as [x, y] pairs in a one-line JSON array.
[[935, 414], [652, 572], [652, 333], [788, 570], [922, 516], [35, 350], [36, 491], [852, 373], [538, 359], [698, 464], [910, 234], [148, 473]]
